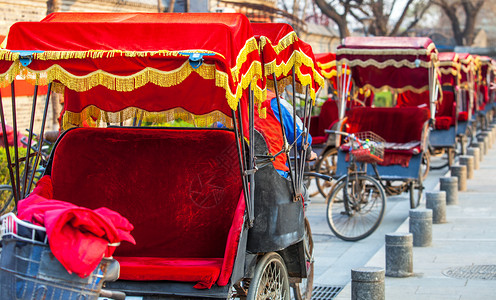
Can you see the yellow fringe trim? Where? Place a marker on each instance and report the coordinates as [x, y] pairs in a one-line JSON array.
[[400, 90], [95, 117], [9, 76], [96, 54], [387, 63], [449, 71], [364, 51]]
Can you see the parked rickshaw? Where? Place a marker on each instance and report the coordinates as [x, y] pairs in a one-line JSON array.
[[486, 76], [211, 218], [467, 100], [398, 65], [443, 138], [324, 143]]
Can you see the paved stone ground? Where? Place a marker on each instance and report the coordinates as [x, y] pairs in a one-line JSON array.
[[468, 239]]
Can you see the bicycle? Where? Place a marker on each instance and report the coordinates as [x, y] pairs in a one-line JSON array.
[[357, 202]]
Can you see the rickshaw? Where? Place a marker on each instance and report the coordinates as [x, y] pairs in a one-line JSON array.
[[486, 76], [324, 143], [209, 220], [443, 138], [288, 62], [399, 65], [467, 103]]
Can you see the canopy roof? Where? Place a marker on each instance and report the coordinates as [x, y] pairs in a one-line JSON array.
[[327, 64], [467, 70], [397, 63], [97, 56], [449, 66], [281, 50]]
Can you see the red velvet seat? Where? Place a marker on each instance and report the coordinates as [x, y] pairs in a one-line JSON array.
[[397, 125], [327, 117], [180, 188]]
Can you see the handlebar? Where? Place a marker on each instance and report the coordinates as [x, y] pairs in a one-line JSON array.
[[321, 176], [113, 294]]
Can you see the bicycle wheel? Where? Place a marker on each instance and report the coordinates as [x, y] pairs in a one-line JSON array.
[[327, 166], [303, 290], [6, 199], [270, 280], [356, 207], [439, 158]]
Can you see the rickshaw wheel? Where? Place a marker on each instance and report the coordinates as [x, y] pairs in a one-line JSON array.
[[6, 199], [270, 280], [356, 213], [327, 166], [441, 158], [425, 164], [303, 290], [416, 190]]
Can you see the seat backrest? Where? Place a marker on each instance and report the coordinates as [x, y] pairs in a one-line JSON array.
[[328, 114], [178, 187], [447, 107], [394, 124]]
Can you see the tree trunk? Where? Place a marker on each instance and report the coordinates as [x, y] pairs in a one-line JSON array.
[[333, 14], [53, 6]]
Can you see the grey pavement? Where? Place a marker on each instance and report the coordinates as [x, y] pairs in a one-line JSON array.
[[463, 250]]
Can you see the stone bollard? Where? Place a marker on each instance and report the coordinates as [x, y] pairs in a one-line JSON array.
[[399, 254], [486, 144], [437, 202], [475, 152], [450, 186], [421, 226], [367, 283], [461, 173], [467, 160], [490, 138], [479, 145]]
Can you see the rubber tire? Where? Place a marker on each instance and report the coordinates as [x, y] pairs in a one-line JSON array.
[[298, 292], [261, 268], [331, 201], [8, 199], [416, 189], [326, 165]]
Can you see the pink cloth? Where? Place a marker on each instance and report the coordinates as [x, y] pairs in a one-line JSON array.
[[78, 236]]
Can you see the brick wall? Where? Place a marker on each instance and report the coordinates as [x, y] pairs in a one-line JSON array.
[[34, 10]]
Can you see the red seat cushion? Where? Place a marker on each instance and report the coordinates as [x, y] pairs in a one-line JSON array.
[[443, 123], [203, 271], [463, 116], [398, 126], [318, 140]]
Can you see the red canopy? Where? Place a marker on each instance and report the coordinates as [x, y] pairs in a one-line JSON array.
[[98, 56], [281, 51], [467, 70], [397, 63], [327, 64], [449, 66]]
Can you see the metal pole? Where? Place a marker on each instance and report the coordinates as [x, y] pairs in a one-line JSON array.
[[7, 154], [30, 138], [252, 149], [285, 140], [16, 148], [41, 136], [241, 166], [306, 132], [295, 149]]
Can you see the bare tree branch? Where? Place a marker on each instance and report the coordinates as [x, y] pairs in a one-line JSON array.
[[400, 20]]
